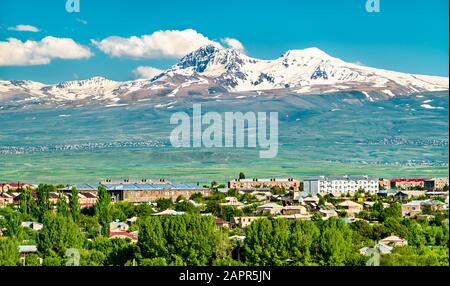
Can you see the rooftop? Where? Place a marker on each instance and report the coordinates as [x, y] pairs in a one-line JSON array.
[[341, 178], [142, 187]]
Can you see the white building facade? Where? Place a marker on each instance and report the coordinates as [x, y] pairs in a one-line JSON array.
[[340, 185]]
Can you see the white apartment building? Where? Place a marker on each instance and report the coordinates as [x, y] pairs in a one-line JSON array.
[[340, 185]]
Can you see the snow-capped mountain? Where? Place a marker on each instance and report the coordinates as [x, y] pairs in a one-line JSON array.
[[213, 70]]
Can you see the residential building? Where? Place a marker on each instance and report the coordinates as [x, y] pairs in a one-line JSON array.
[[12, 187], [414, 208], [32, 225], [288, 184], [407, 183], [379, 247], [384, 183], [326, 214], [233, 202], [168, 212], [142, 193], [245, 221], [387, 193], [6, 199], [133, 236], [436, 184], [407, 195], [118, 226], [24, 251], [394, 241], [290, 210], [339, 185], [141, 182], [221, 223], [270, 209], [351, 208]]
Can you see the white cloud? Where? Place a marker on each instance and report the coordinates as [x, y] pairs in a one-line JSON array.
[[234, 44], [24, 28], [160, 44], [14, 52], [144, 72]]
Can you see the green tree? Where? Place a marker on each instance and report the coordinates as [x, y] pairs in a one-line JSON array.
[[9, 252], [27, 203], [103, 209], [152, 242], [187, 207], [304, 234], [157, 261], [165, 204], [43, 200], [74, 205], [58, 234], [62, 206], [13, 225], [32, 259], [241, 176], [335, 243], [267, 242]]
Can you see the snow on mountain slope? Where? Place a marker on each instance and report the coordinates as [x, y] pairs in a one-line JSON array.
[[211, 70]]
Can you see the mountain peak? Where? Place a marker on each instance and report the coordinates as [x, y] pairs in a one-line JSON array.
[[312, 52]]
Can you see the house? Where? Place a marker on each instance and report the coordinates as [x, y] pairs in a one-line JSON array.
[[233, 202], [351, 208], [221, 223], [24, 251], [287, 184], [54, 197], [261, 194], [406, 195], [407, 183], [414, 208], [237, 237], [36, 226], [168, 212], [118, 226], [379, 247], [290, 210], [244, 222], [393, 241], [270, 209], [387, 193], [339, 185], [311, 199], [326, 214], [133, 236], [6, 199], [11, 187], [306, 216], [87, 199]]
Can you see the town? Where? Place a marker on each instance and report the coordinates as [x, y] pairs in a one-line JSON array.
[[323, 220]]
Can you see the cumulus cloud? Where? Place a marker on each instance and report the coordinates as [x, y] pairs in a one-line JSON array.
[[160, 44], [234, 44], [14, 52], [24, 28], [145, 72]]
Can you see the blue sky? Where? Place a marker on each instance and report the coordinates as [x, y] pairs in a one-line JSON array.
[[407, 35]]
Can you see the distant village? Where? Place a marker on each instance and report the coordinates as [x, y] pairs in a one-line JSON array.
[[351, 197]]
